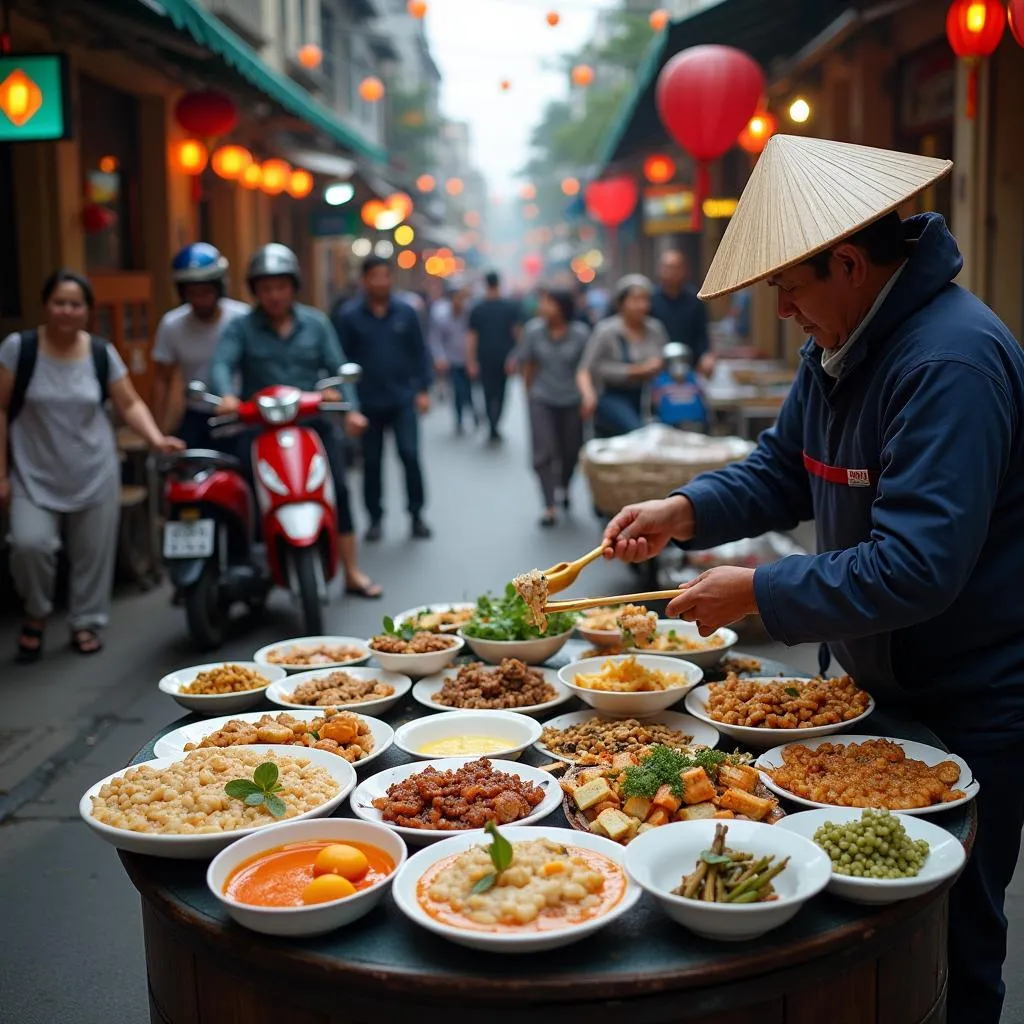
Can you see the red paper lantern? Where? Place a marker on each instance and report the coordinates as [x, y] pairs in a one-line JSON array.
[[705, 96], [760, 128], [974, 29], [532, 264], [611, 201], [1015, 19], [96, 218], [207, 114]]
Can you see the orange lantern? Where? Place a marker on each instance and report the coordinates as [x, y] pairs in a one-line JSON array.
[[659, 19], [1015, 19], [426, 183], [190, 156], [310, 56], [454, 186], [505, 85], [659, 168], [399, 204], [528, 192], [229, 162], [251, 177], [371, 89], [553, 18], [371, 212], [471, 219], [20, 97], [760, 128], [582, 75], [274, 177], [417, 8], [974, 29], [406, 259], [108, 164], [300, 184], [570, 186]]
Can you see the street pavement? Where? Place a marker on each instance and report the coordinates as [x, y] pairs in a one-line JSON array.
[[72, 949]]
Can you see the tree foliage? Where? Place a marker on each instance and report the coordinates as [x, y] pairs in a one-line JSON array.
[[412, 130]]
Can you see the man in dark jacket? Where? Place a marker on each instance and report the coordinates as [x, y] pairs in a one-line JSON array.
[[494, 325], [902, 439], [675, 304]]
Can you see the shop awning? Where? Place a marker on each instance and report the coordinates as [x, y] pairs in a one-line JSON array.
[[190, 17], [766, 30]]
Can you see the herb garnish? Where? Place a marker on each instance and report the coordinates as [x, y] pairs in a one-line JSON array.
[[664, 766], [405, 631], [507, 618], [501, 857], [262, 788], [792, 691]]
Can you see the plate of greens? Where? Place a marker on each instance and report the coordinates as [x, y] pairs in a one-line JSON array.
[[501, 628]]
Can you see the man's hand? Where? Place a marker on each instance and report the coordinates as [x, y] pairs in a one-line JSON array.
[[643, 530], [511, 367], [715, 598], [355, 424], [588, 403], [707, 363], [473, 370], [423, 402], [441, 366], [5, 490], [166, 445], [330, 395], [228, 404]]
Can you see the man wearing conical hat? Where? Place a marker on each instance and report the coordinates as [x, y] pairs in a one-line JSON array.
[[902, 439]]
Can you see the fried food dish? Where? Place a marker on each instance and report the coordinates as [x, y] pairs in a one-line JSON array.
[[314, 654], [338, 688], [225, 679], [512, 684], [671, 641], [532, 587], [340, 732], [737, 664], [418, 643], [600, 620], [458, 799], [591, 741], [441, 621], [875, 773], [629, 676], [786, 703]]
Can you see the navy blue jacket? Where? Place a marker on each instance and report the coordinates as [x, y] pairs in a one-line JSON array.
[[913, 469], [390, 349]]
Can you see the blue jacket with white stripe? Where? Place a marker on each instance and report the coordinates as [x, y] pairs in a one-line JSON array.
[[912, 466]]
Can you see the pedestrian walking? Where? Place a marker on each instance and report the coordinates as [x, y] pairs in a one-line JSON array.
[[449, 326], [675, 305], [495, 323], [548, 356], [63, 480], [383, 335]]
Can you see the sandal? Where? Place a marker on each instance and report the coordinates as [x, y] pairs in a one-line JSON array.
[[86, 641], [369, 590], [28, 651]]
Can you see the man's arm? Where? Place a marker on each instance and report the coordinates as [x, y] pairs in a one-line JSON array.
[[425, 377], [227, 358], [950, 432], [334, 356]]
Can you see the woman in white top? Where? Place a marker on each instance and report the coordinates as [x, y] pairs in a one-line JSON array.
[[63, 479]]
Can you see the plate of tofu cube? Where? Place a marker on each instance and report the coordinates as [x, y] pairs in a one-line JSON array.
[[633, 793]]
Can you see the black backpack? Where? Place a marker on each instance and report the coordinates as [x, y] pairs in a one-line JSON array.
[[29, 353]]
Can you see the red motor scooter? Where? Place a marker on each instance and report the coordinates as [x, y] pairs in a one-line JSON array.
[[209, 547]]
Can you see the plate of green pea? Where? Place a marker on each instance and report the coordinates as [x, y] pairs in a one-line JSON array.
[[877, 856]]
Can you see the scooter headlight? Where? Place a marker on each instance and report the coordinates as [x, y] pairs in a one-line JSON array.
[[270, 479], [317, 473], [279, 408]]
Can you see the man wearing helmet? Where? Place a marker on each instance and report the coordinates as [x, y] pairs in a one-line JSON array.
[[187, 335], [282, 341]]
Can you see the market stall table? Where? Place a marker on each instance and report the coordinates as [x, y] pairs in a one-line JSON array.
[[834, 961]]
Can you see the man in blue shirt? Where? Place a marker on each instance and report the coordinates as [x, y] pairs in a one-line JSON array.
[[385, 337], [681, 313], [281, 341]]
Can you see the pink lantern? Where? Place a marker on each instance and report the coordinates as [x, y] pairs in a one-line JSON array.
[[612, 200]]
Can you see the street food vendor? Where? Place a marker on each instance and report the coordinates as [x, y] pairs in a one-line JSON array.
[[902, 439]]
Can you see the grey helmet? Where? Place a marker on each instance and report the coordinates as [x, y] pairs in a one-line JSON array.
[[274, 260]]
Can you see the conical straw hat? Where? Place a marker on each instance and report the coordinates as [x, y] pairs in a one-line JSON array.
[[803, 196]]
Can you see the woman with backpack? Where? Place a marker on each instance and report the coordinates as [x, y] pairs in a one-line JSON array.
[[59, 468]]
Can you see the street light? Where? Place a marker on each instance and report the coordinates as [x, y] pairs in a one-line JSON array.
[[339, 193], [799, 110]]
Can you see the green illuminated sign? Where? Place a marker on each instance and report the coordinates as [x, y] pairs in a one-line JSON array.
[[34, 98]]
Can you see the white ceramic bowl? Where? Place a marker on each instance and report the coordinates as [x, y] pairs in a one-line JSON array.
[[945, 857], [658, 860], [703, 735], [410, 614], [418, 665], [173, 743], [533, 652], [219, 703], [377, 785], [759, 739], [917, 751], [261, 655], [199, 847], [518, 732], [406, 881], [424, 691], [706, 658], [631, 705], [278, 693], [318, 918]]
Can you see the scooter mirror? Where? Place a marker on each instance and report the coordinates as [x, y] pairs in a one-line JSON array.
[[197, 389], [351, 373]]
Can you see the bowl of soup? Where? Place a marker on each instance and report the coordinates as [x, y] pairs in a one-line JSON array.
[[306, 878], [501, 734]]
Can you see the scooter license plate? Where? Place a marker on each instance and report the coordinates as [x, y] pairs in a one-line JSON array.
[[189, 540]]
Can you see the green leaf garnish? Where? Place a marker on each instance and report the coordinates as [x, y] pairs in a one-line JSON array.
[[314, 734], [242, 789], [389, 624], [792, 691], [261, 789], [501, 849], [484, 884], [266, 776], [665, 766], [255, 799], [507, 618], [275, 805], [715, 858]]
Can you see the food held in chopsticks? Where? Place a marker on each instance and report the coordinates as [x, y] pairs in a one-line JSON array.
[[629, 676], [630, 794], [638, 625], [508, 618], [588, 742], [512, 684], [731, 876], [532, 587], [875, 846], [786, 703], [875, 773]]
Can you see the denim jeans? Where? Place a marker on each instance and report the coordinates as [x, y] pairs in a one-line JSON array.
[[493, 381], [462, 388], [404, 422], [617, 413]]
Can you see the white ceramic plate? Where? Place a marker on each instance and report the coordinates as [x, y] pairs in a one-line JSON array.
[[425, 689], [377, 785], [534, 652], [702, 734], [278, 693], [517, 732], [311, 641], [173, 743], [199, 847], [707, 657], [404, 891], [415, 666], [917, 751], [697, 701], [219, 703], [945, 857], [454, 606], [639, 704]]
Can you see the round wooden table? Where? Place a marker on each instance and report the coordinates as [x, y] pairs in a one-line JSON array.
[[835, 962]]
